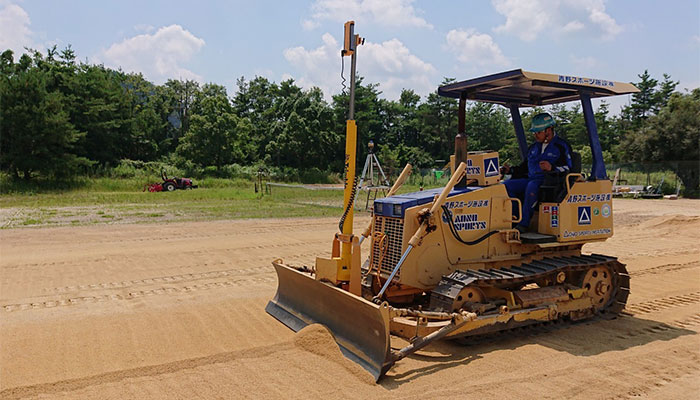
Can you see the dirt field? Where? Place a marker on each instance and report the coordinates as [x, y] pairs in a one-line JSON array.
[[176, 311]]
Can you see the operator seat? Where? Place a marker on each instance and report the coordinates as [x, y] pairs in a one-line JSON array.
[[553, 189]]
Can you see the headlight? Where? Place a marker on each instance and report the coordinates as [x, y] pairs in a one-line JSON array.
[[377, 208], [397, 209]]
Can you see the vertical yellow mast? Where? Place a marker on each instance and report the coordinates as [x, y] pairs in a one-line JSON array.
[[349, 50], [344, 265]]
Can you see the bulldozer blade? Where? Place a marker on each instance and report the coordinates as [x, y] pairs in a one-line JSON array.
[[360, 327]]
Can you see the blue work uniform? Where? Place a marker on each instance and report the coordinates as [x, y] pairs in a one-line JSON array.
[[558, 154], [564, 164]]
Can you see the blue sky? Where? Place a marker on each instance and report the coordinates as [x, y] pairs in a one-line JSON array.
[[409, 44]]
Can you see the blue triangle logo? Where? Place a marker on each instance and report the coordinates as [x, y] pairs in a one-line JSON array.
[[584, 215], [491, 166]]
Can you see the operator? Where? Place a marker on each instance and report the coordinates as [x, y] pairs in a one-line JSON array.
[[548, 154]]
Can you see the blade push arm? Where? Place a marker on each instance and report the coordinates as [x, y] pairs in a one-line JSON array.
[[422, 229]]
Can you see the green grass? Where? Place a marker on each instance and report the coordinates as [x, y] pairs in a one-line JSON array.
[[108, 200], [105, 201]]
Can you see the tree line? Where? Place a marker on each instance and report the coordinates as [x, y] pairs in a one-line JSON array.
[[60, 117]]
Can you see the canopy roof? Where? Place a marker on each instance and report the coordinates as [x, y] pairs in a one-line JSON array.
[[531, 89]]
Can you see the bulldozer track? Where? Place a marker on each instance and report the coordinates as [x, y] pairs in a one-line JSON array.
[[287, 226], [191, 276], [265, 257], [264, 278], [664, 303], [693, 320], [449, 287], [661, 269], [166, 279]]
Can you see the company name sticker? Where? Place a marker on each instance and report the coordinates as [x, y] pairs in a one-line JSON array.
[[603, 231], [472, 170], [583, 198], [462, 204], [469, 222], [466, 222], [585, 81]]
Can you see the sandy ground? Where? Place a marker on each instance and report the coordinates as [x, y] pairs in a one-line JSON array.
[[176, 311]]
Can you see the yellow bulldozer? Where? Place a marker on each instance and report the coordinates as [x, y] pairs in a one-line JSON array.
[[447, 263]]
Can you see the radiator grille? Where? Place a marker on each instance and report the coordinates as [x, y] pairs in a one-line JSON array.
[[393, 246]]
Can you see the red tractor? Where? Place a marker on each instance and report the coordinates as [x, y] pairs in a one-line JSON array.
[[170, 184]]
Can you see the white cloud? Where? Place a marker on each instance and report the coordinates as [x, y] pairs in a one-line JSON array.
[[317, 67], [14, 29], [476, 49], [605, 22], [696, 39], [308, 24], [529, 19], [573, 26], [391, 64], [158, 56], [390, 13], [523, 18]]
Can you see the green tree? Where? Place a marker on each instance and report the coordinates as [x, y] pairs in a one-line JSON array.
[[371, 117], [256, 101], [488, 126], [645, 101], [151, 133], [570, 124], [438, 124], [608, 135], [181, 95], [36, 135], [408, 124], [672, 136], [666, 89], [101, 107], [393, 158], [304, 135], [216, 136], [651, 98]]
